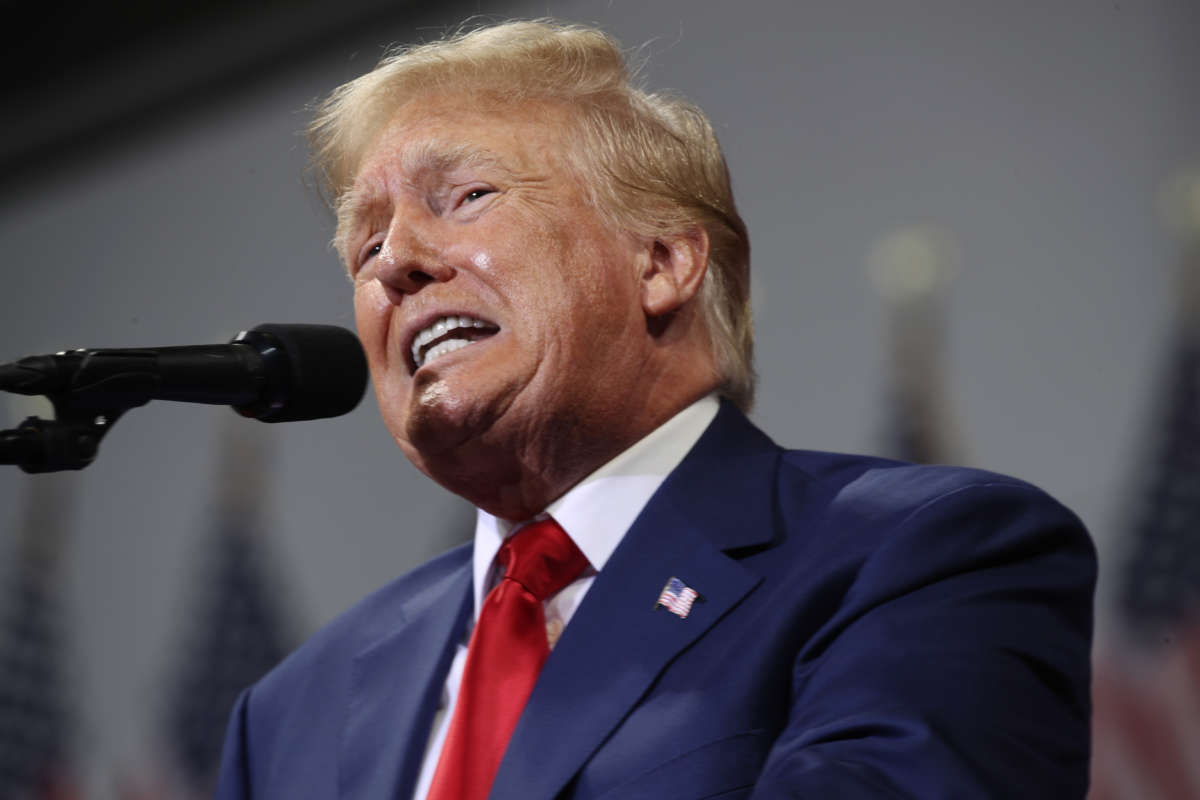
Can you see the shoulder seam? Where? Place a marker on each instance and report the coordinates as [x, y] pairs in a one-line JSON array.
[[1025, 487]]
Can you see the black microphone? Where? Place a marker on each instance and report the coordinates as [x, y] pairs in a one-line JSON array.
[[274, 373]]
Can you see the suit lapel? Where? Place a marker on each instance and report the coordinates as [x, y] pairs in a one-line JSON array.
[[395, 682], [618, 642]]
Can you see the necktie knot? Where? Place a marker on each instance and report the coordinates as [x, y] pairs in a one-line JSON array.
[[542, 558]]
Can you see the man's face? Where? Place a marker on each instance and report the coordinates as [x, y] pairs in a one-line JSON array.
[[494, 303]]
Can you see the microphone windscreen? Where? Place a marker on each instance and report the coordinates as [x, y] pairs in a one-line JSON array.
[[327, 372]]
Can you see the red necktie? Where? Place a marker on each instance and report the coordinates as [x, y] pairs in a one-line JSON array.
[[504, 657]]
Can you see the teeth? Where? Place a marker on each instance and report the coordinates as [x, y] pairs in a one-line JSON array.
[[441, 348], [438, 329]]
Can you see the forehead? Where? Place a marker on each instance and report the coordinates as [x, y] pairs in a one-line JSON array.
[[437, 135]]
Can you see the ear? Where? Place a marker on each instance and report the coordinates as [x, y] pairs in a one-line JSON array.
[[674, 272]]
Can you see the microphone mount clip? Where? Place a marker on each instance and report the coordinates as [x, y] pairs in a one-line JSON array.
[[70, 440]]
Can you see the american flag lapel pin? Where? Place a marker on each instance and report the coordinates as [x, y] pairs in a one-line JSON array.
[[677, 597]]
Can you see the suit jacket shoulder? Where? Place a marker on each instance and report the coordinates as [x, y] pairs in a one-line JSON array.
[[356, 693]]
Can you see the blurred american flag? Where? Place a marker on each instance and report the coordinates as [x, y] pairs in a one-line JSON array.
[[36, 720], [1146, 687]]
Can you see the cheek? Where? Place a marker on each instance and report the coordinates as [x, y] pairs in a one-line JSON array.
[[371, 313], [482, 260], [369, 296]]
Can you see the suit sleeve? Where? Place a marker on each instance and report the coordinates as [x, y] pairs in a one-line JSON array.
[[957, 665], [233, 781]]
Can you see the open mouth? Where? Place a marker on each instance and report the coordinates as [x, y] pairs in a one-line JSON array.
[[446, 335]]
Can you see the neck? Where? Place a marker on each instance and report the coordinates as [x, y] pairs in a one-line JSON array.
[[515, 478]]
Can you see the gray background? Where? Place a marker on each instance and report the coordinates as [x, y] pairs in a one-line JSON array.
[[1036, 134]]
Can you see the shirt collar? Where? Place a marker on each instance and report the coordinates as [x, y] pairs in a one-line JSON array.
[[598, 510]]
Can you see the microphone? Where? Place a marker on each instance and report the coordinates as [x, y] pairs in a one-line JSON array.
[[273, 373]]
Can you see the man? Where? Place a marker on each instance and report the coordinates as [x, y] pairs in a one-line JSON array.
[[551, 285]]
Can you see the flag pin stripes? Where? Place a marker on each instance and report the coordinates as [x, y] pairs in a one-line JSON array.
[[677, 597]]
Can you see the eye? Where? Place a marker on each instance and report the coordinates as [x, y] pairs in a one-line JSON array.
[[475, 194], [366, 255]]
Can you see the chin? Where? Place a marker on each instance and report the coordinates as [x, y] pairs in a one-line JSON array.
[[447, 450], [439, 420]]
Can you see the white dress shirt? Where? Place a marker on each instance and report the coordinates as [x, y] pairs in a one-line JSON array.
[[595, 513]]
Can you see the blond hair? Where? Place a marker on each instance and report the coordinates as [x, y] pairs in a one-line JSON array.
[[651, 161]]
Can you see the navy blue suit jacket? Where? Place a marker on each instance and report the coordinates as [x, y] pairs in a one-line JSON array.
[[868, 629]]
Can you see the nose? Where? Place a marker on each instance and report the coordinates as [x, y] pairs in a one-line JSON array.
[[409, 260]]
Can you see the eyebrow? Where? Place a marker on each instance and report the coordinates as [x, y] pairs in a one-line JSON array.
[[434, 157], [351, 207]]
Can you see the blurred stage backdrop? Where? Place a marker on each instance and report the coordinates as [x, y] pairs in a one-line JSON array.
[[975, 239]]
